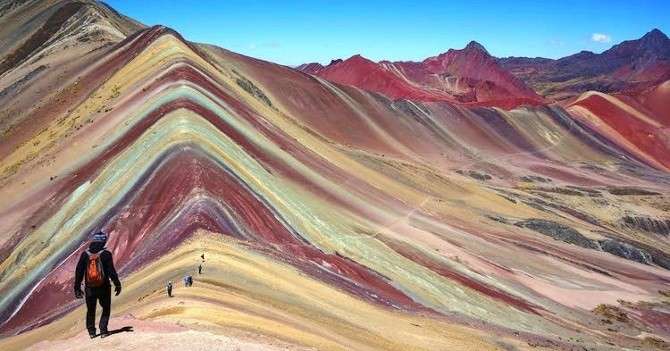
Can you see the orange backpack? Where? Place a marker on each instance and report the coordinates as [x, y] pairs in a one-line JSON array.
[[95, 276]]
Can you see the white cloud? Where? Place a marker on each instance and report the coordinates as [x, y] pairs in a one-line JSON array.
[[601, 38]]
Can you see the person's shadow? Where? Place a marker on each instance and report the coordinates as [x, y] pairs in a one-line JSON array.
[[126, 329]]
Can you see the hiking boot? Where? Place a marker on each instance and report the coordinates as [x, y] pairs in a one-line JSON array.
[[104, 334], [92, 334]]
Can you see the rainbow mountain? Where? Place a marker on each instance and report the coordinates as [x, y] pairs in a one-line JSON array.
[[331, 217]]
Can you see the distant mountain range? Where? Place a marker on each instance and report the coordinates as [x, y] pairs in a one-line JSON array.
[[473, 76], [470, 75], [633, 64]]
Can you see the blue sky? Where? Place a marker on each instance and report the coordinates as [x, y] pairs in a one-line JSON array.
[[294, 32]]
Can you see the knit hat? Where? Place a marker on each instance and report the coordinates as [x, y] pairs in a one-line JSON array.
[[100, 237]]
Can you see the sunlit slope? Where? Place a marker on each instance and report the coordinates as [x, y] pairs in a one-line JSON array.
[[640, 131], [245, 289]]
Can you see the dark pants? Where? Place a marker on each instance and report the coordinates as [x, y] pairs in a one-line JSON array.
[[102, 295]]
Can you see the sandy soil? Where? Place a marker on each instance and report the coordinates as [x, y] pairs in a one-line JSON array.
[[148, 335]]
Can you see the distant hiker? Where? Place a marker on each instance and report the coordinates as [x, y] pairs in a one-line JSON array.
[[203, 257], [200, 269], [169, 288], [188, 280], [96, 268]]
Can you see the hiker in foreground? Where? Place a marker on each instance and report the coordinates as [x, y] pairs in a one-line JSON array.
[[96, 268]]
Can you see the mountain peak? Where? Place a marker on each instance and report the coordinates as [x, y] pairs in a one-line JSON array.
[[654, 42], [473, 45], [333, 62], [655, 36], [358, 59], [656, 33], [311, 68]]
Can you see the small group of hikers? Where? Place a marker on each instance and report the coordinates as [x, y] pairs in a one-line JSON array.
[[188, 279], [95, 269]]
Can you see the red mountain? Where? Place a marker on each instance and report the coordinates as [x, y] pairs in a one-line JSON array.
[[474, 63], [470, 75]]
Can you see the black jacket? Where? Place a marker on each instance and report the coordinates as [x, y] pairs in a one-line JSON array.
[[107, 266]]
